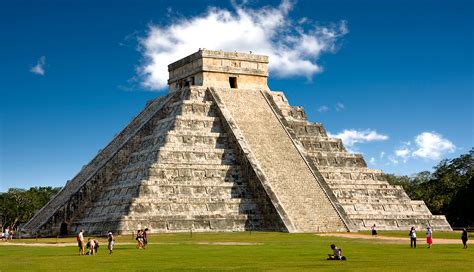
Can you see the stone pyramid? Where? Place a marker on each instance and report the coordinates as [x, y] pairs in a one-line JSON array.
[[221, 152]]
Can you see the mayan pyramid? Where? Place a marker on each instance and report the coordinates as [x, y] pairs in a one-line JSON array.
[[222, 152]]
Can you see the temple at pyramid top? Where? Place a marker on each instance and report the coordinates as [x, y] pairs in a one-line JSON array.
[[219, 69]]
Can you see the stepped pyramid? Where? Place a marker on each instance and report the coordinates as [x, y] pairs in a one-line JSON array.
[[222, 152]]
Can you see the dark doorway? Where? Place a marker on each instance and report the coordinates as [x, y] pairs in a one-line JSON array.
[[63, 229], [233, 82]]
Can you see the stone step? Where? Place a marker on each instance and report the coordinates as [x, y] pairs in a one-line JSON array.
[[403, 224], [195, 93], [197, 138], [366, 186], [203, 123], [195, 108], [197, 155], [223, 191], [346, 161], [186, 172], [303, 204]]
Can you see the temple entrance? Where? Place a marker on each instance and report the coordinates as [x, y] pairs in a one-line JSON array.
[[233, 82], [63, 230]]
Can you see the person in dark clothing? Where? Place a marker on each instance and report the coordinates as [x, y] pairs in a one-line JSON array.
[[464, 238], [145, 238], [412, 235], [374, 230], [337, 254]]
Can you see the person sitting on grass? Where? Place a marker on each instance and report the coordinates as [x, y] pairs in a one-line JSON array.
[[337, 254]]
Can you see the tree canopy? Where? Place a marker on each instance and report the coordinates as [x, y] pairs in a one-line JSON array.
[[448, 190], [19, 205]]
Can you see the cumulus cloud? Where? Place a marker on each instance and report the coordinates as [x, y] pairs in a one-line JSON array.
[[428, 145], [293, 48], [403, 152], [351, 136], [39, 67], [432, 145]]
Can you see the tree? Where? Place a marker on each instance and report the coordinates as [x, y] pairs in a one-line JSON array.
[[19, 205], [448, 190]]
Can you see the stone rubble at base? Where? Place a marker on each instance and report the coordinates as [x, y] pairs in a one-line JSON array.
[[221, 152]]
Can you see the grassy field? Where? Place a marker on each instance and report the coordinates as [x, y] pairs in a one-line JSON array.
[[421, 234], [237, 251]]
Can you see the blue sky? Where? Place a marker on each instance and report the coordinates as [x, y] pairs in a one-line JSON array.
[[395, 79]]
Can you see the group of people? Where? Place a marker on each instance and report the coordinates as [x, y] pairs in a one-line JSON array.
[[429, 236], [337, 252], [8, 234], [92, 245], [142, 238]]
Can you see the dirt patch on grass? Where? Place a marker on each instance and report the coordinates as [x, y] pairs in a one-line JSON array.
[[229, 243], [386, 239]]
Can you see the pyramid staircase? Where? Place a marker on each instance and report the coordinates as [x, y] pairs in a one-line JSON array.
[[364, 194], [176, 169]]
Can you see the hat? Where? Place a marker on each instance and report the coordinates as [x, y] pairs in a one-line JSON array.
[[110, 233]]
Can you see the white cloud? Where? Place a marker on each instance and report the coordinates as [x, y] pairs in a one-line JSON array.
[[292, 48], [432, 145], [392, 160], [339, 106], [351, 136], [372, 161], [382, 154], [323, 109], [428, 145], [403, 152], [39, 67]]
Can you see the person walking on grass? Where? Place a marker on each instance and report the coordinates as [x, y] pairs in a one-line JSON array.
[[429, 236], [80, 242], [145, 238], [374, 230], [111, 242], [464, 238], [139, 239], [412, 235]]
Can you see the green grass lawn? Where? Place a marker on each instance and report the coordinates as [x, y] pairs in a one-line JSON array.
[[263, 251], [420, 233]]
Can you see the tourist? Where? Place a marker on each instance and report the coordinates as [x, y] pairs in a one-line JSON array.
[[374, 231], [111, 242], [429, 236], [139, 239], [90, 246], [80, 242], [464, 238], [412, 235], [96, 246], [145, 238], [337, 254], [7, 233]]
